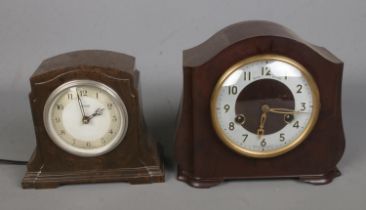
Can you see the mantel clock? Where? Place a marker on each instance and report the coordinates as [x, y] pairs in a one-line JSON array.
[[88, 121], [259, 102]]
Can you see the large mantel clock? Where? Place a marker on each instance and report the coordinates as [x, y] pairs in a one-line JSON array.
[[88, 121], [259, 102]]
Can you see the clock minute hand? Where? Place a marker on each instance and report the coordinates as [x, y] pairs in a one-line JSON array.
[[263, 119], [84, 120]]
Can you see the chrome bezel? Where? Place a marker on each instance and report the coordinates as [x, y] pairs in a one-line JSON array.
[[76, 150]]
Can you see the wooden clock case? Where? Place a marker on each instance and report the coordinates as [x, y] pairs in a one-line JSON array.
[[134, 160], [203, 159]]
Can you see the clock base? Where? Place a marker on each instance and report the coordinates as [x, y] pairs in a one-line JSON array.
[[198, 182], [134, 175], [321, 179], [148, 174]]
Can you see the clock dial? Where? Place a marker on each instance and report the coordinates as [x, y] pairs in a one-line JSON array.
[[85, 118], [265, 106]]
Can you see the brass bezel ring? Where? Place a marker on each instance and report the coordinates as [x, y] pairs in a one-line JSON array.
[[273, 153]]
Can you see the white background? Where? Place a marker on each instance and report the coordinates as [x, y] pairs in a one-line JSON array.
[[156, 32]]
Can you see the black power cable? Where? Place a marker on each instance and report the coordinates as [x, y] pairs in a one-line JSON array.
[[13, 162]]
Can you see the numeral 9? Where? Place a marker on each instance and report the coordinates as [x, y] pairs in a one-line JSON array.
[[227, 107]]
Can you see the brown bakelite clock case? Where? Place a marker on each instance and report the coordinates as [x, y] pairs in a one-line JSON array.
[[259, 102], [88, 121]]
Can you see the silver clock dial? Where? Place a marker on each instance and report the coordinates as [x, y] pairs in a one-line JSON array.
[[85, 118]]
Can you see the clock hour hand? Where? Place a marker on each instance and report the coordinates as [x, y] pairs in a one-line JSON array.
[[266, 108], [282, 111], [97, 112]]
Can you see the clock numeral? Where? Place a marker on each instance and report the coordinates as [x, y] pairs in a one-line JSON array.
[[110, 131], [59, 107], [296, 124], [299, 88], [227, 107], [231, 126], [247, 76], [233, 90], [303, 106], [96, 95], [88, 144], [57, 120], [266, 71], [263, 143], [282, 137], [103, 141], [62, 132], [109, 106], [73, 141], [83, 93], [285, 77], [245, 137], [114, 118], [69, 96]]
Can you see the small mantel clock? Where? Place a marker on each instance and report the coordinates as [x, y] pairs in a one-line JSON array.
[[88, 121], [259, 102]]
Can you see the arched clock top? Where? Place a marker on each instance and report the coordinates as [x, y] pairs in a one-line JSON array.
[[247, 30], [118, 65]]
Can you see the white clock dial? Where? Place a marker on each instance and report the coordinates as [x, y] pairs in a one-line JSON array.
[[85, 118], [265, 106]]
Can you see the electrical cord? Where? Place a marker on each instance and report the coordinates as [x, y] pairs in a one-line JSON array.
[[12, 162]]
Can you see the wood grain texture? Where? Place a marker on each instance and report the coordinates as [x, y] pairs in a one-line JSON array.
[[204, 161], [135, 160]]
